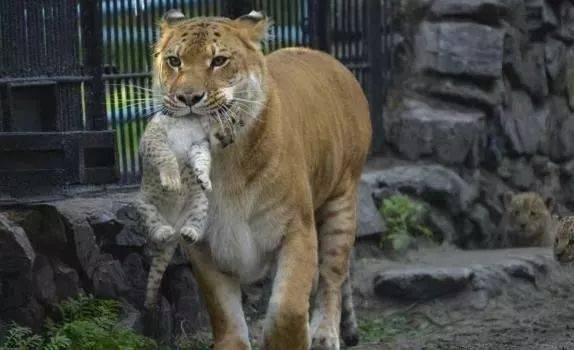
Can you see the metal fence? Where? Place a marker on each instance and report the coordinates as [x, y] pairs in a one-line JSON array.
[[83, 69]]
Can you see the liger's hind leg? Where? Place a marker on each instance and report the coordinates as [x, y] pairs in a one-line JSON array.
[[336, 230], [349, 327]]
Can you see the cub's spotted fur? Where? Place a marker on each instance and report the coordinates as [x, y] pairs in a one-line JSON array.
[[564, 243], [527, 221], [172, 202]]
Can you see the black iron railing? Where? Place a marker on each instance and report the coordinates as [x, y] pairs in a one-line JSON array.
[[75, 76]]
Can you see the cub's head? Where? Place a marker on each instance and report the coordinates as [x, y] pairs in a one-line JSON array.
[[564, 243], [528, 216], [210, 65]]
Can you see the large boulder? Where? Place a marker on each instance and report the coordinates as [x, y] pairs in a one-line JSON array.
[[555, 56], [485, 10], [459, 48], [136, 278], [532, 71], [369, 220], [16, 261], [109, 279], [540, 15], [524, 127], [570, 77], [419, 130], [435, 184], [526, 64], [43, 226], [54, 281], [485, 96], [189, 311], [560, 129], [485, 228], [422, 283], [566, 30]]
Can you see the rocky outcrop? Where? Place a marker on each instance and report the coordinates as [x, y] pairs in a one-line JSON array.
[[446, 272], [486, 92], [54, 251], [459, 48]]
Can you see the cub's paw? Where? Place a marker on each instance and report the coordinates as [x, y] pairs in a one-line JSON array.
[[204, 181], [190, 234], [170, 180], [163, 234]]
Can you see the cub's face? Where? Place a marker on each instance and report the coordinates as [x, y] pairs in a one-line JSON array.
[[564, 243], [210, 66], [528, 215]]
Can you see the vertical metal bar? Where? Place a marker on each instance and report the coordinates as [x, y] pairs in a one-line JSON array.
[[375, 80], [357, 30], [337, 29], [284, 24], [390, 49], [93, 44], [319, 13], [118, 91], [305, 22], [273, 42]]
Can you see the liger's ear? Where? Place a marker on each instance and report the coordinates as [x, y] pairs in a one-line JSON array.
[[256, 26], [170, 18]]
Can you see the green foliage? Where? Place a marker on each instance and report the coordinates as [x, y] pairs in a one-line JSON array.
[[80, 323], [387, 328], [405, 219], [21, 338]]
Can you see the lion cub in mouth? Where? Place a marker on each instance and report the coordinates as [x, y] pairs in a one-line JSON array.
[[528, 220], [172, 203]]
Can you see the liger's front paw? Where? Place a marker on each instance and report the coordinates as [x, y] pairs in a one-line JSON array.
[[190, 234]]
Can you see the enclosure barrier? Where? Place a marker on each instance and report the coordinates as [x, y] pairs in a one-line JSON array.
[[75, 76]]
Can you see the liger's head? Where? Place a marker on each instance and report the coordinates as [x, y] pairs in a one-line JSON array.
[[210, 65]]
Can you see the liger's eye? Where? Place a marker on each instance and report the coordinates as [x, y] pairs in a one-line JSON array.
[[174, 62], [218, 61]]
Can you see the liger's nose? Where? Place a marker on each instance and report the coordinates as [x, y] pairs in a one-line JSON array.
[[190, 99]]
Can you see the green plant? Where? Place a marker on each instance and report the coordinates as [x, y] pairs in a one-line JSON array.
[[405, 219], [386, 328], [83, 322], [20, 338]]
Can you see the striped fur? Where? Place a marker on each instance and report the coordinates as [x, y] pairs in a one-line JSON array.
[[284, 191]]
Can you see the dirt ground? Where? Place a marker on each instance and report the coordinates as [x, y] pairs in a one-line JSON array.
[[524, 315]]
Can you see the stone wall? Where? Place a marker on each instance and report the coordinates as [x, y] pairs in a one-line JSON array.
[[50, 252], [484, 92]]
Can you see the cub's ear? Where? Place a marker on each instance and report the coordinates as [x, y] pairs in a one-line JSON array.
[[170, 18], [256, 26], [507, 199]]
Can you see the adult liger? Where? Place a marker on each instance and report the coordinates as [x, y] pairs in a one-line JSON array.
[[284, 187]]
